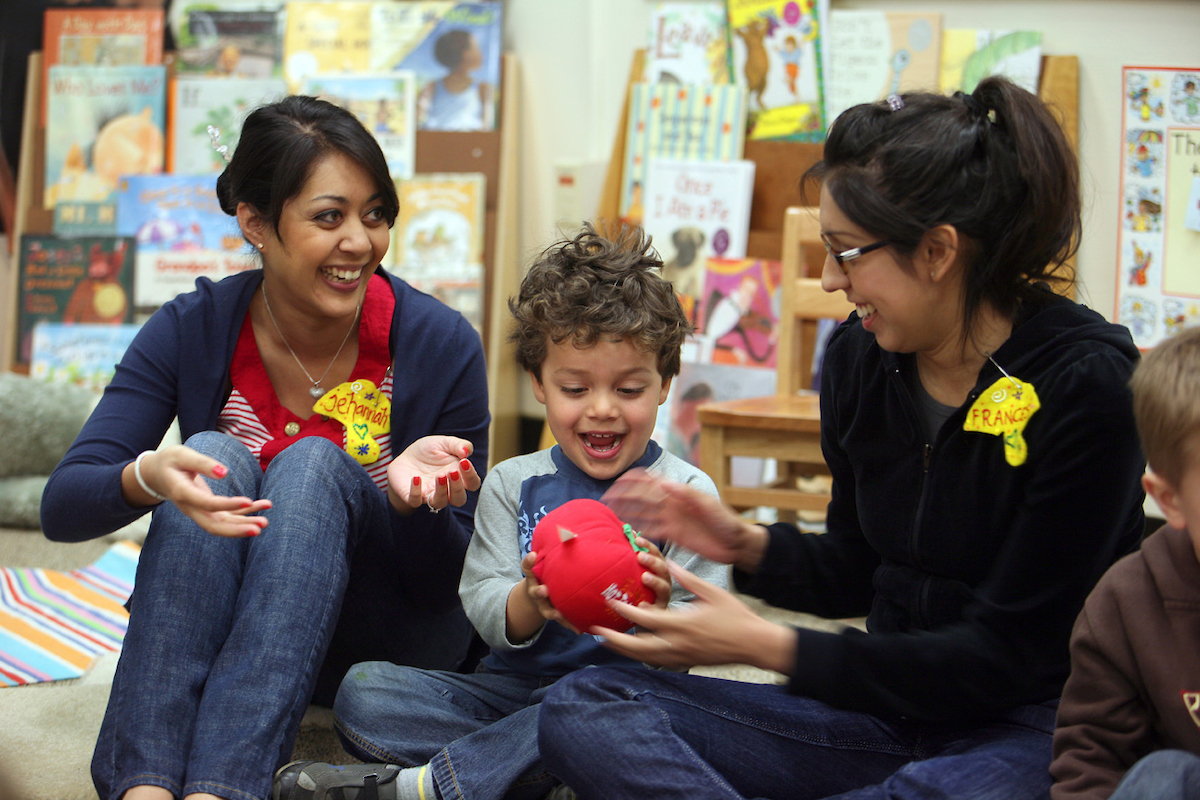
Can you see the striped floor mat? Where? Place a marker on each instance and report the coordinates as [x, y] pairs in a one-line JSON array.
[[53, 624]]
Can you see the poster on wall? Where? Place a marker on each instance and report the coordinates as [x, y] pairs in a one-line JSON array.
[[1158, 240]]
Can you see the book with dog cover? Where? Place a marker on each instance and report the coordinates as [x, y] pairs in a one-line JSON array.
[[699, 122], [86, 280], [775, 48], [100, 37], [696, 210]]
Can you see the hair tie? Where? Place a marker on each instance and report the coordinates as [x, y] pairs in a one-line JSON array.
[[895, 102], [978, 109]]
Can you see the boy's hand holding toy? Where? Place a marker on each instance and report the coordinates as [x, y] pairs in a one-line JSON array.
[[584, 556]]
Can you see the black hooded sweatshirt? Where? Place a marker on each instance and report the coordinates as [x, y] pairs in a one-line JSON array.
[[969, 569]]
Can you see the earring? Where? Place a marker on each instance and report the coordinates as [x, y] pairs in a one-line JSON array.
[[260, 247]]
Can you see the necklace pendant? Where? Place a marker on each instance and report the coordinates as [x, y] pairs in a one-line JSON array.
[[316, 391]]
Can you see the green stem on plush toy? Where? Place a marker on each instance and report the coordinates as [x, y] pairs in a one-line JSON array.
[[632, 535]]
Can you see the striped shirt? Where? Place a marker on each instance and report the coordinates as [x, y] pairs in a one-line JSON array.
[[254, 417]]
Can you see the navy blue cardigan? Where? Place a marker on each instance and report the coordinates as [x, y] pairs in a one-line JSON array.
[[178, 366]]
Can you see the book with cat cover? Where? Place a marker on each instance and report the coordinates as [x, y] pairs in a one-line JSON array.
[[688, 43], [86, 280], [181, 234], [384, 103], [234, 40], [105, 122], [437, 240], [698, 122], [776, 55], [194, 103], [696, 210], [101, 37]]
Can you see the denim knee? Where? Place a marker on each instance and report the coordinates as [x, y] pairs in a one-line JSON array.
[[1162, 775]]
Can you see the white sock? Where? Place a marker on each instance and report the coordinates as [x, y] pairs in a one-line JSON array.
[[415, 783]]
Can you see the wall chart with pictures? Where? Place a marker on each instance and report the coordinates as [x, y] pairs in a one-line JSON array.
[[1158, 266]]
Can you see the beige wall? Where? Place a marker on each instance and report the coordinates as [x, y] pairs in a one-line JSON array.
[[575, 57]]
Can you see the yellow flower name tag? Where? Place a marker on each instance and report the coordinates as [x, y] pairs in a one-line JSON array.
[[1004, 410], [364, 410]]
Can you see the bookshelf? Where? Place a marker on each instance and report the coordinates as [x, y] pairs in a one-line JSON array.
[[493, 153]]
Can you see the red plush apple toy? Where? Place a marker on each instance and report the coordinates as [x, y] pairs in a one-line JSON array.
[[586, 555]]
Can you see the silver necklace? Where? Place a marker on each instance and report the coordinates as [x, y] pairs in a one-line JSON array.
[[316, 390]]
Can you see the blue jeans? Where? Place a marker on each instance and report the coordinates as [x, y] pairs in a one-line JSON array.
[[1162, 775], [478, 732], [617, 732], [226, 636]]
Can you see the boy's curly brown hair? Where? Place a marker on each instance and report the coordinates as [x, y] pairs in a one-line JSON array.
[[590, 288]]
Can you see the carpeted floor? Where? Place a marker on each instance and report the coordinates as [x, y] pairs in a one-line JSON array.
[[47, 731]]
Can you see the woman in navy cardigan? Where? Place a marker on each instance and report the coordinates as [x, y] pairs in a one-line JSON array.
[[329, 412]]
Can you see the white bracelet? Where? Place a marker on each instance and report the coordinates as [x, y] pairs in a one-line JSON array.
[[137, 473]]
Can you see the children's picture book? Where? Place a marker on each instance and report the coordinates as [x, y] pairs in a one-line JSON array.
[[697, 122], [398, 28], [85, 355], [230, 40], [105, 122], [688, 43], [969, 55], [677, 429], [1158, 235], [195, 103], [384, 103], [737, 317], [82, 280], [326, 37], [437, 240], [100, 37], [181, 234], [696, 210], [454, 49], [776, 54], [873, 54]]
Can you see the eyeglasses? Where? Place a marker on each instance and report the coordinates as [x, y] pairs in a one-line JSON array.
[[841, 257]]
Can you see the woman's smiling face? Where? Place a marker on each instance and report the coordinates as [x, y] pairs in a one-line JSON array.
[[332, 235], [892, 300]]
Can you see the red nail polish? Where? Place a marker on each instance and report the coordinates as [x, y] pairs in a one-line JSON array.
[[247, 504], [253, 532], [442, 480], [454, 476], [416, 480], [220, 471], [465, 465]]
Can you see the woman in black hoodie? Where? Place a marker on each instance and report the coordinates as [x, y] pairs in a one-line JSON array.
[[986, 471]]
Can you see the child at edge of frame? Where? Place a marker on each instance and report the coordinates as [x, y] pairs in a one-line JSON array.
[[1129, 723]]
